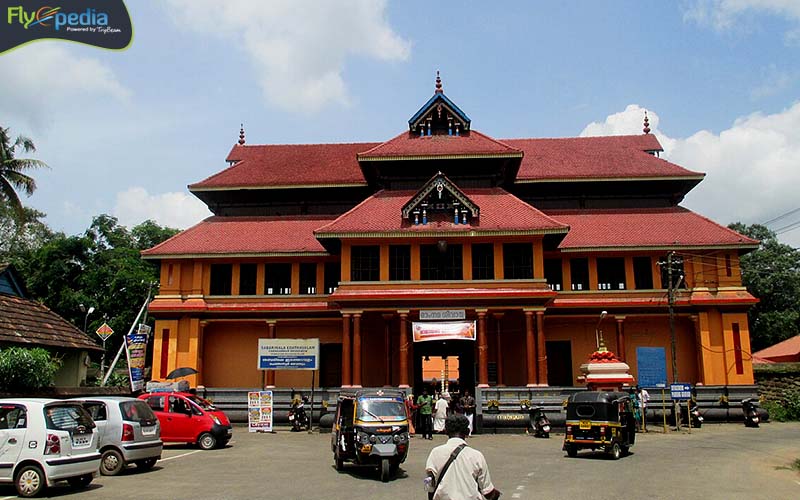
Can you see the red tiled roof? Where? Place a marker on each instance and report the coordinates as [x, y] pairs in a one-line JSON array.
[[31, 324], [499, 211], [655, 227], [244, 235], [622, 156], [289, 164], [411, 145], [788, 350]]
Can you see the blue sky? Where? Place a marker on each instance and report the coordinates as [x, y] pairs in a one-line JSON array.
[[125, 132]]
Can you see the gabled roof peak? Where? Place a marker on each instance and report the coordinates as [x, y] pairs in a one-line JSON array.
[[439, 116]]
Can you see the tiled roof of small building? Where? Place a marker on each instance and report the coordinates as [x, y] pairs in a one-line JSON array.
[[231, 236], [408, 145], [672, 227], [500, 211], [789, 348], [30, 324], [609, 157]]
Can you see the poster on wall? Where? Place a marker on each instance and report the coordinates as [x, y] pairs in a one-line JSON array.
[[442, 330], [288, 354], [651, 366], [259, 411]]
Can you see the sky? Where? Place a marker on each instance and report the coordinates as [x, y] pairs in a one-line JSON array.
[[124, 132]]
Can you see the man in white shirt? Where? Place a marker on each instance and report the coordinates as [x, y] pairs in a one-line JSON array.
[[439, 414], [467, 477]]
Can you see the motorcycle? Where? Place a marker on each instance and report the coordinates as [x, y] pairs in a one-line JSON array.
[[750, 410], [538, 420], [694, 413], [297, 415]]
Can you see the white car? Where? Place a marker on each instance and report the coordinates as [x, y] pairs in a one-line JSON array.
[[128, 432], [43, 441]]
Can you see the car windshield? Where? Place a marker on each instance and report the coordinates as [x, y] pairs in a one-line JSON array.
[[202, 403], [137, 411], [67, 417], [380, 409]]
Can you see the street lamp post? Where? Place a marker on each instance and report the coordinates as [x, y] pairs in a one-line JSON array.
[[85, 326], [598, 333]]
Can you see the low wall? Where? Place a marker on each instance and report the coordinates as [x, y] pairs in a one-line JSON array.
[[776, 380]]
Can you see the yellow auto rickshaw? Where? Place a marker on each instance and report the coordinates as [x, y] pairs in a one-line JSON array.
[[599, 420]]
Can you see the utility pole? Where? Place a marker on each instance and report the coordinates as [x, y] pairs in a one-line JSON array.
[[671, 302]]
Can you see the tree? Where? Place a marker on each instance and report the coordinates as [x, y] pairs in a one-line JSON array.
[[18, 237], [772, 274], [12, 176]]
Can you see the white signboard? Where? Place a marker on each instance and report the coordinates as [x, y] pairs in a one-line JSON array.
[[442, 314], [288, 354]]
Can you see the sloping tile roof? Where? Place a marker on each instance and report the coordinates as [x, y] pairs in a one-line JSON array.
[[409, 145], [31, 324], [244, 236], [288, 165], [672, 227], [594, 157], [500, 211], [788, 350]]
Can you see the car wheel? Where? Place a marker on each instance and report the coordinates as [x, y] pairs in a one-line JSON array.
[[207, 441], [146, 464], [80, 481], [111, 463], [30, 481], [572, 450], [615, 452]]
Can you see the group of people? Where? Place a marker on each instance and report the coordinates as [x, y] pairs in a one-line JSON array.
[[432, 411]]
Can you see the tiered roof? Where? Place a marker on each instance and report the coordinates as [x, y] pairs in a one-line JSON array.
[[408, 146]]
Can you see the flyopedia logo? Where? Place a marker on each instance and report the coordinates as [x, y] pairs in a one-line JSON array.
[[103, 23], [53, 16]]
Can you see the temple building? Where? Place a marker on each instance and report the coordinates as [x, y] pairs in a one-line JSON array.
[[511, 256]]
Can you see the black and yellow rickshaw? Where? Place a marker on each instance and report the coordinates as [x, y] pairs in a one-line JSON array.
[[371, 428], [599, 420]]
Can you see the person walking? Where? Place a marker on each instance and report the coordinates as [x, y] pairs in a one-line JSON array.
[[454, 471], [644, 398], [411, 410], [468, 407], [439, 414], [425, 405]]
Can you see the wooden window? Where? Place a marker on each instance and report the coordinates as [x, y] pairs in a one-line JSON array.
[[221, 278], [579, 272], [365, 263], [247, 279], [278, 279], [553, 274], [333, 272], [643, 273], [399, 262], [611, 273], [164, 352], [308, 278], [483, 261], [517, 261], [441, 262], [737, 348]]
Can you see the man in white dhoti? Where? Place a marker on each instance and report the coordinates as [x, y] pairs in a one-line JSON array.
[[440, 414]]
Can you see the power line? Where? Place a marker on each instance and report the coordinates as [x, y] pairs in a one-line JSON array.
[[790, 212]]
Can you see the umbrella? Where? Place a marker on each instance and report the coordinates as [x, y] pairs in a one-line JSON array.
[[181, 372]]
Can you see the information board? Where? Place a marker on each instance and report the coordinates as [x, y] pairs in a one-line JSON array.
[[288, 354], [680, 392], [651, 366]]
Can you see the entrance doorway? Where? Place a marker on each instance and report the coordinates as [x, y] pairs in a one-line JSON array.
[[559, 363], [460, 356]]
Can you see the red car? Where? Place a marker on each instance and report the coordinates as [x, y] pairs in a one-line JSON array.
[[186, 418]]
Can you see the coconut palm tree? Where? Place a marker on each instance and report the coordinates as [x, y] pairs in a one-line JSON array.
[[12, 176]]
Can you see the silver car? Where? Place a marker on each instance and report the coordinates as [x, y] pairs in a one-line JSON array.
[[129, 433]]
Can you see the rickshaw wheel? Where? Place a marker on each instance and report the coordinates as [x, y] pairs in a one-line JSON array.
[[616, 451], [572, 451], [385, 469]]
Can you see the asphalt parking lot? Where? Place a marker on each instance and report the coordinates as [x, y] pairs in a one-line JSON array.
[[720, 461]]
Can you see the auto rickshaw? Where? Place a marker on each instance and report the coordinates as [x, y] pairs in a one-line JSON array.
[[371, 428], [599, 420]]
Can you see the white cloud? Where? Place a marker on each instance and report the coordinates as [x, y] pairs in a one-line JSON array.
[[724, 14], [43, 76], [178, 210], [751, 167], [298, 49]]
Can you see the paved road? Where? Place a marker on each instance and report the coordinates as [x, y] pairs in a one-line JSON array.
[[716, 462]]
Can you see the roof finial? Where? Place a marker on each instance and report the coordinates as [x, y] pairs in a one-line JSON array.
[[646, 128], [438, 83], [241, 135]]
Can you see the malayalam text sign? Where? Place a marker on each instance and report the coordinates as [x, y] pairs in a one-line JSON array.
[[442, 314], [288, 354], [651, 366], [456, 330]]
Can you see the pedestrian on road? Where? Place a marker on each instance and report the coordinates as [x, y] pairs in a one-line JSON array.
[[468, 407], [454, 471], [439, 414], [425, 405], [644, 398], [411, 409]]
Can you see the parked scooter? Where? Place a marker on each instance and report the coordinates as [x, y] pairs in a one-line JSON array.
[[694, 413], [538, 420], [297, 414], [750, 410]]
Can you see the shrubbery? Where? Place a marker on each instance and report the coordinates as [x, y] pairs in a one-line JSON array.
[[786, 409], [23, 370]]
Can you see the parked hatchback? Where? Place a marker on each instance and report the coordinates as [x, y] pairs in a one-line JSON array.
[[128, 433], [186, 418], [43, 441]]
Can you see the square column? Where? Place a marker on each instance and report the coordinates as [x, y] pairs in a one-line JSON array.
[[620, 337], [346, 361], [270, 378], [404, 345], [530, 350], [483, 350], [541, 349], [357, 350]]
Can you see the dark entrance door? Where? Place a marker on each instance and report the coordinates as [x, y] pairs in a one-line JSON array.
[[559, 363], [464, 350], [330, 365]]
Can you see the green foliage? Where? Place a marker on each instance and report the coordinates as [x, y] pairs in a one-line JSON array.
[[772, 274], [12, 170], [786, 409], [117, 379], [20, 235], [23, 370]]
